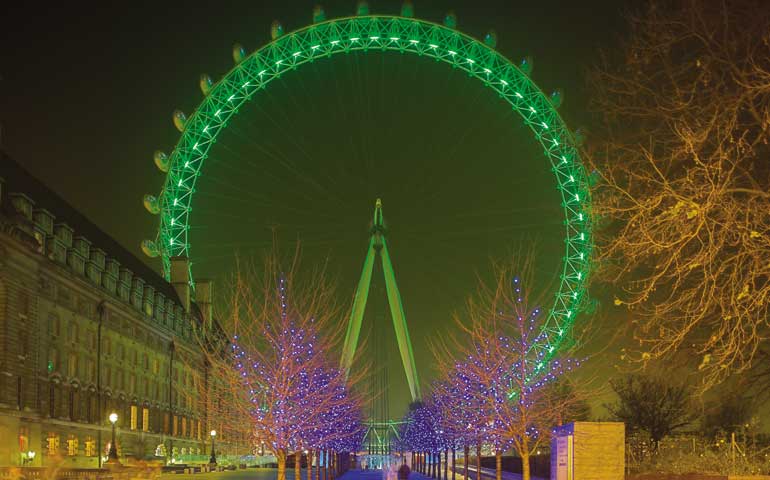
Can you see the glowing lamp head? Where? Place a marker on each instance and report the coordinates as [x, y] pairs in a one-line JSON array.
[[113, 418], [213, 433], [30, 454]]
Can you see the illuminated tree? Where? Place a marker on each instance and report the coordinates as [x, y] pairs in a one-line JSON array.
[[279, 365], [501, 380], [681, 159]]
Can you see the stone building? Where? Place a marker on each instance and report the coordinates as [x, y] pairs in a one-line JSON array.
[[87, 329]]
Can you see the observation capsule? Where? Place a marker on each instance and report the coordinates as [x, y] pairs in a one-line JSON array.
[[276, 29], [557, 96], [526, 65], [180, 119], [150, 248], [407, 9], [362, 8], [151, 204], [161, 161], [490, 39], [318, 14], [238, 53], [205, 84], [450, 20]]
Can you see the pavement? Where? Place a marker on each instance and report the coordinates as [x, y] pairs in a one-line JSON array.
[[271, 474]]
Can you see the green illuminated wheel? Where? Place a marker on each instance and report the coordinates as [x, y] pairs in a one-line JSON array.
[[377, 33]]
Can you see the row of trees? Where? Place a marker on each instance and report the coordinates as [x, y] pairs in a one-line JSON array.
[[657, 408], [496, 391], [274, 360]]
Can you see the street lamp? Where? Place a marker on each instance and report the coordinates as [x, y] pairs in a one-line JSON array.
[[112, 455], [213, 459], [30, 457]]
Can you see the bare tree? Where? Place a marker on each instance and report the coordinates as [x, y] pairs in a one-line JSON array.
[[683, 190], [651, 405]]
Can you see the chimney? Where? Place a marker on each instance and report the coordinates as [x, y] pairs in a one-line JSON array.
[[203, 297], [180, 280]]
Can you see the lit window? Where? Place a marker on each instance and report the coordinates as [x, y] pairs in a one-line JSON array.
[[90, 447], [23, 439], [72, 446], [52, 444], [134, 413], [145, 419]]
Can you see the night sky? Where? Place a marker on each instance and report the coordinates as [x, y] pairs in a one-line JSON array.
[[87, 94]]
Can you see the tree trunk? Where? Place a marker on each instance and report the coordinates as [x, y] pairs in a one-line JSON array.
[[454, 462], [318, 464], [280, 456], [525, 475], [298, 465], [432, 465], [499, 465], [478, 461], [325, 457], [467, 452], [446, 464], [309, 464]]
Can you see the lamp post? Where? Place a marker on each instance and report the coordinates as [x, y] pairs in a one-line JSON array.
[[213, 459], [112, 455]]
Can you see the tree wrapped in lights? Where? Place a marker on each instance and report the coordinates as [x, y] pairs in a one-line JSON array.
[[500, 381], [421, 433], [279, 366]]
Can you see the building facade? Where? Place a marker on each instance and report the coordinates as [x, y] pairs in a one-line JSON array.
[[86, 329]]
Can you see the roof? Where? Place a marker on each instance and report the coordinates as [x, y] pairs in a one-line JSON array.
[[18, 180]]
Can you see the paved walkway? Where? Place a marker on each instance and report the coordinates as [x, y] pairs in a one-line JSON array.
[[271, 473]]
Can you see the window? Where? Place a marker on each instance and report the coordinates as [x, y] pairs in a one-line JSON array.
[[132, 383], [73, 333], [165, 424], [145, 361], [106, 378], [90, 447], [23, 439], [145, 419], [91, 335], [155, 366], [72, 364], [146, 387], [53, 360], [54, 324], [52, 444], [52, 400], [121, 351], [134, 413], [175, 431], [72, 445], [107, 346], [199, 429], [134, 358], [90, 370], [184, 426]]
